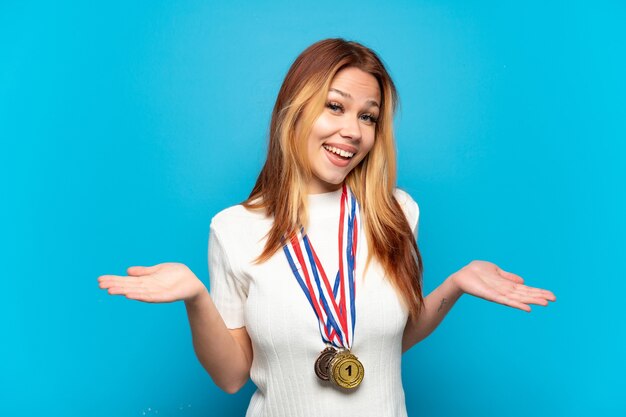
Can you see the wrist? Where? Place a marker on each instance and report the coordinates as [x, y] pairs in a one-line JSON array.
[[198, 298], [455, 289]]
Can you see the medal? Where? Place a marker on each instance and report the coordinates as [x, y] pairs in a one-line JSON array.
[[346, 371], [333, 306], [323, 362]]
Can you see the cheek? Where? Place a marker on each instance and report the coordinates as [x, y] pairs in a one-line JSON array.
[[323, 127], [366, 145], [368, 140]]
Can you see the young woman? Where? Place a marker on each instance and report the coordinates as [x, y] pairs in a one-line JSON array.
[[316, 279]]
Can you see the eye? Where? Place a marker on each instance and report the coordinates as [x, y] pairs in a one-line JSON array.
[[334, 106], [369, 118]]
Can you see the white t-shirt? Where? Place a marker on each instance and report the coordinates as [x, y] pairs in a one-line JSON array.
[[286, 341]]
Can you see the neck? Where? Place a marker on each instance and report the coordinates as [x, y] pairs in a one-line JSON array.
[[321, 188], [324, 205]]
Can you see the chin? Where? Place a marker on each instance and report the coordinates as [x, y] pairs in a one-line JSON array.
[[331, 181]]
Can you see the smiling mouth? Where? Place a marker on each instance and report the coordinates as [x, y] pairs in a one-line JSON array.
[[339, 152]]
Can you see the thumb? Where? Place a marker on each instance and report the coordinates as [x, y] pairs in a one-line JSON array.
[[511, 276], [141, 270]]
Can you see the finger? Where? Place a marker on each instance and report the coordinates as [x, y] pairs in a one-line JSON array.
[[527, 299], [141, 270], [497, 297], [105, 281], [511, 276], [537, 292], [120, 282], [134, 293], [113, 278], [123, 290], [141, 295], [108, 277], [521, 306], [511, 302], [149, 296], [548, 295]]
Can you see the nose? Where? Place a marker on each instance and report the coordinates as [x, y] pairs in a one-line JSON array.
[[351, 128]]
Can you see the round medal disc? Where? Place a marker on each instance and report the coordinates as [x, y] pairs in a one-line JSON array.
[[323, 362], [346, 370]]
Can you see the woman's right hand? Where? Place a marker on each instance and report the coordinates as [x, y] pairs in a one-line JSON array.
[[162, 283]]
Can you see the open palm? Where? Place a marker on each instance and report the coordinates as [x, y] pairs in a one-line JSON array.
[[486, 280], [162, 283]]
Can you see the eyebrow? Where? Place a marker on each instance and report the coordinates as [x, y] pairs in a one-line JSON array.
[[346, 95]]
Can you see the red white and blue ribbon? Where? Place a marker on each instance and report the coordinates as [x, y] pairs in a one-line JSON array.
[[333, 305]]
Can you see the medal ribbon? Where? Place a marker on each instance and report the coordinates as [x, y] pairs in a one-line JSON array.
[[330, 304]]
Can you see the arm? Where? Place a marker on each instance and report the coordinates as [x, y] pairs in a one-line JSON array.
[[436, 306], [225, 354], [481, 279]]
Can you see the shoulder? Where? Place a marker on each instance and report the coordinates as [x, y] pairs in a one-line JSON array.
[[235, 224], [237, 215], [406, 201], [409, 206]]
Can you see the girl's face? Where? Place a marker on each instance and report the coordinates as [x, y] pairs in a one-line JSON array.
[[344, 133]]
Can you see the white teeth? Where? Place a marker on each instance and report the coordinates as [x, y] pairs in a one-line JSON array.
[[338, 151]]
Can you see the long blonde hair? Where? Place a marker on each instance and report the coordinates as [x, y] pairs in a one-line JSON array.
[[281, 188]]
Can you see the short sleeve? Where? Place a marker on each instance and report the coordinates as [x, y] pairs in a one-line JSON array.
[[410, 208], [227, 292]]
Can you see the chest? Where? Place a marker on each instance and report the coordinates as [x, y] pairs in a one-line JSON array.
[[279, 316]]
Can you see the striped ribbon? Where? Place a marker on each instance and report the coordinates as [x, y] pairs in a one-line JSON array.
[[330, 304]]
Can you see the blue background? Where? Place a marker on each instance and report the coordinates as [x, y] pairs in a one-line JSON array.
[[125, 126]]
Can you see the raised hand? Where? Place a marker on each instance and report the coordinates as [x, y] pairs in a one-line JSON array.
[[486, 280], [162, 283]]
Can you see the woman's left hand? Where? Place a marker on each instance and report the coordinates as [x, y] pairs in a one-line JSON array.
[[486, 280]]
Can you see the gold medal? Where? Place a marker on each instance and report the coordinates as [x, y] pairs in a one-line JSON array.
[[346, 370], [323, 362]]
